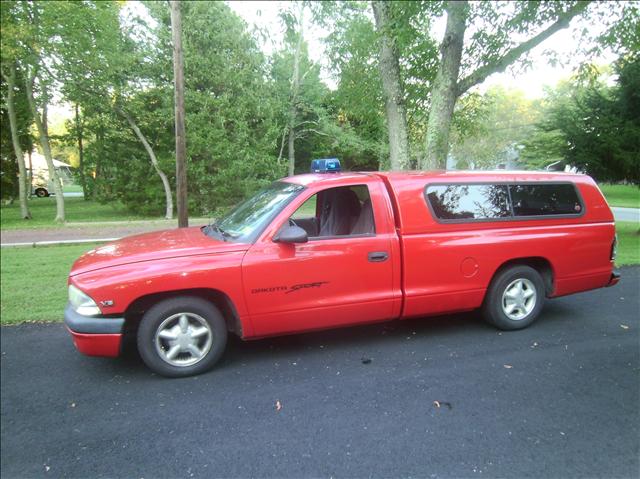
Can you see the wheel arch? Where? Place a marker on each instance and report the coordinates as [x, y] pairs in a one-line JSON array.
[[221, 300], [542, 265]]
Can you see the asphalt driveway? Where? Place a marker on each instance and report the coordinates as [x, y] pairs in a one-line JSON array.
[[560, 399]]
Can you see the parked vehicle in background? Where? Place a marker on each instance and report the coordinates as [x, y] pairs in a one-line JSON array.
[[41, 184], [321, 251]]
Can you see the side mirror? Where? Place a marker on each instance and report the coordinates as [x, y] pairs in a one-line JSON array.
[[291, 234]]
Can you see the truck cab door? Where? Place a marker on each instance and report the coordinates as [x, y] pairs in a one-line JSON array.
[[346, 273]]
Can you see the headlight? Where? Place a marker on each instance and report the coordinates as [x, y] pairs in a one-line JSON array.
[[82, 303]]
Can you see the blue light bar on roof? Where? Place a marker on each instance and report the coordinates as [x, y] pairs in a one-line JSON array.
[[326, 165]]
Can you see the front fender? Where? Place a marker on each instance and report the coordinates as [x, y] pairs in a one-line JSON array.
[[115, 288]]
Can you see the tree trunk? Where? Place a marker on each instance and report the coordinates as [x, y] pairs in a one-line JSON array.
[[292, 152], [100, 155], [30, 172], [154, 161], [295, 87], [25, 214], [83, 182], [46, 148], [392, 88], [181, 146], [445, 89], [284, 135]]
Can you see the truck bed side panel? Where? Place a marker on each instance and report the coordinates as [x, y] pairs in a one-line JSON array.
[[451, 271], [448, 266]]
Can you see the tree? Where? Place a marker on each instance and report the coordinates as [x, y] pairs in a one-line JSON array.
[[392, 87], [80, 137], [305, 116], [49, 42], [154, 160], [492, 129], [233, 124], [354, 47], [30, 26], [40, 119], [357, 104], [295, 87], [591, 125], [11, 49], [10, 79], [181, 149], [361, 53], [495, 50]]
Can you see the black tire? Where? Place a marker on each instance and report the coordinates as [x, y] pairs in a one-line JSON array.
[[155, 350], [41, 193], [497, 301]]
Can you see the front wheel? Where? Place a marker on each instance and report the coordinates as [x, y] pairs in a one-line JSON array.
[[182, 336], [514, 298]]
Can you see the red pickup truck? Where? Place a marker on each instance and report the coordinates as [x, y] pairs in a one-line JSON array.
[[320, 251]]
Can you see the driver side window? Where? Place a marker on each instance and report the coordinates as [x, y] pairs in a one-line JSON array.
[[342, 211]]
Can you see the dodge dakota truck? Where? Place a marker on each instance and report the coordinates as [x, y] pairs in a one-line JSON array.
[[319, 251]]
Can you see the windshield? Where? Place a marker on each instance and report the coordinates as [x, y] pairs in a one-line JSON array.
[[247, 220]]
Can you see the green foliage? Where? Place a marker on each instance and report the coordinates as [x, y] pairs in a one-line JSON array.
[[357, 103], [490, 128], [230, 114], [353, 48], [622, 35], [495, 28], [311, 115], [8, 164], [592, 125]]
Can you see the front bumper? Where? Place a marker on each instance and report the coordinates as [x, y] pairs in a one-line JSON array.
[[94, 335]]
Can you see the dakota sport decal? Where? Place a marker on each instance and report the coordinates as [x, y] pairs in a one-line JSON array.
[[288, 289]]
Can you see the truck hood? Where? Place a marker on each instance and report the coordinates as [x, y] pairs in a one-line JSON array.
[[153, 246]]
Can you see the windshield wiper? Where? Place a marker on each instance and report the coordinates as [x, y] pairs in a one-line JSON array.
[[214, 228]]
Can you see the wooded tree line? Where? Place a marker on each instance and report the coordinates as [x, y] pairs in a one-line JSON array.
[[402, 97]]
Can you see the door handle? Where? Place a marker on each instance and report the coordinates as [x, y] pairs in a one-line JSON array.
[[378, 256]]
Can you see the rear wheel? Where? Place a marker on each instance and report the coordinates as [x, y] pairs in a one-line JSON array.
[[41, 193], [515, 298], [182, 336]]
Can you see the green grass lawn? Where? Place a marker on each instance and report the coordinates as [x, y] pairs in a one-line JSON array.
[[73, 188], [628, 243], [43, 211], [33, 281], [622, 195]]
